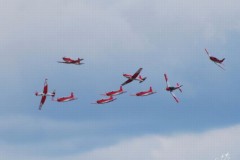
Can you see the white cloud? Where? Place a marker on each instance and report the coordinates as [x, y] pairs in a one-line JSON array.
[[188, 146]]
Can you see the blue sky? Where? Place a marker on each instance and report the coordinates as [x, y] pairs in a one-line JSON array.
[[116, 37]]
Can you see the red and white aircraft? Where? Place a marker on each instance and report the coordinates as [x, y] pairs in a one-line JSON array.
[[145, 93], [102, 101], [44, 94], [71, 61], [66, 99], [171, 88], [216, 60], [114, 93], [136, 76]]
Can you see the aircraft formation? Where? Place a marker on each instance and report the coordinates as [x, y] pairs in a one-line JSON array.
[[112, 94]]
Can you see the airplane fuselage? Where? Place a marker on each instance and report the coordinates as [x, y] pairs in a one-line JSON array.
[[130, 77], [65, 99], [144, 93], [102, 101], [69, 60], [214, 59], [43, 94], [114, 93], [172, 88]]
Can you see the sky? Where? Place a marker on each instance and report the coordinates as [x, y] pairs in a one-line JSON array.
[[116, 37]]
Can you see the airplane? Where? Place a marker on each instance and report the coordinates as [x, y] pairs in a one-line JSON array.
[[134, 77], [44, 94], [114, 93], [171, 88], [217, 61], [66, 99], [102, 101], [71, 61], [145, 93]]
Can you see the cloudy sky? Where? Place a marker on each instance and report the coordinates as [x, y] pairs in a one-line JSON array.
[[116, 37]]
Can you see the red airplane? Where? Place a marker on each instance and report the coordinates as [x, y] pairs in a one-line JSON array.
[[145, 93], [134, 77], [102, 101], [114, 93], [71, 61], [216, 60], [66, 99], [44, 94], [171, 88]]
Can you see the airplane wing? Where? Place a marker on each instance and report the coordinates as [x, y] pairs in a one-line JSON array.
[[62, 62], [207, 52], [78, 63], [70, 63], [174, 96], [128, 81], [45, 89], [137, 73], [42, 102], [219, 65], [166, 79]]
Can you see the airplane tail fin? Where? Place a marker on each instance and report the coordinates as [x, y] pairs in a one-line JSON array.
[[150, 89], [72, 95], [142, 79], [53, 93], [179, 87], [222, 60], [78, 60]]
